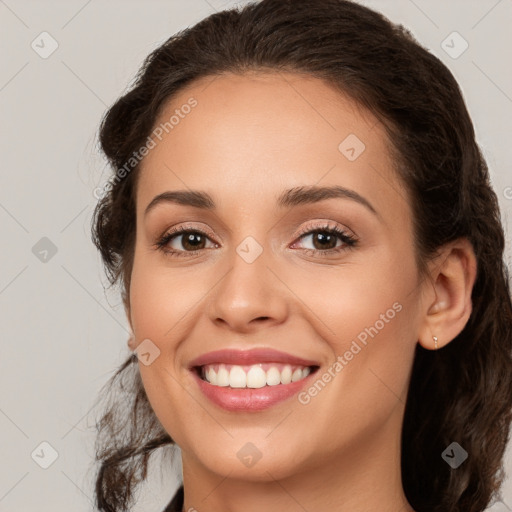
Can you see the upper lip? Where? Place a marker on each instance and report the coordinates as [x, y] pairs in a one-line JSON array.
[[248, 357]]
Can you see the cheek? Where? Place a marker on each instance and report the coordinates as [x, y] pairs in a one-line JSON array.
[[342, 301], [160, 299], [368, 320], [160, 308], [367, 314]]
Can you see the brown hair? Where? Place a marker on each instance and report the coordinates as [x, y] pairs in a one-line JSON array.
[[461, 392]]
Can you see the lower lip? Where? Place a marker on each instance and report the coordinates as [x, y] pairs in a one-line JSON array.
[[250, 399]]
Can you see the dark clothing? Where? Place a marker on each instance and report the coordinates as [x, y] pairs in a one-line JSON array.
[[176, 504]]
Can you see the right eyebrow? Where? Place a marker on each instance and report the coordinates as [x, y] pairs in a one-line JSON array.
[[195, 198]]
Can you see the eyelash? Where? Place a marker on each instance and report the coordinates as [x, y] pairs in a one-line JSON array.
[[349, 240]]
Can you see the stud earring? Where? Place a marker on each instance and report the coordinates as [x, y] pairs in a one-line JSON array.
[[435, 341]]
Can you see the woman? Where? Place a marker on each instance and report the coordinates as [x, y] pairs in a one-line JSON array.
[[311, 261]]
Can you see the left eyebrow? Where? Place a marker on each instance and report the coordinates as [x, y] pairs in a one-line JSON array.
[[291, 197], [314, 194]]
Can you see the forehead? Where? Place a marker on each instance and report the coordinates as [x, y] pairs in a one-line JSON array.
[[250, 136]]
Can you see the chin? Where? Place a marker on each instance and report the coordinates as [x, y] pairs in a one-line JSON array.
[[258, 461]]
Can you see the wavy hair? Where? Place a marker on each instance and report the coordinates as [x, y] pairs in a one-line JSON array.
[[463, 391]]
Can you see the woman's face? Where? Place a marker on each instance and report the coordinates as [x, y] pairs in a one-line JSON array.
[[254, 274]]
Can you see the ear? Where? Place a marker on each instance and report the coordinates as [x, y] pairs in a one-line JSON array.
[[131, 340], [447, 297]]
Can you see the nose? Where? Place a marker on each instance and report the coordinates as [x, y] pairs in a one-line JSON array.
[[249, 297]]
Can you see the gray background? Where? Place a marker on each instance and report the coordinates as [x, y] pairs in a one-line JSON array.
[[62, 334]]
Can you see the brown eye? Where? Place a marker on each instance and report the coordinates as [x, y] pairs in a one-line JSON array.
[[325, 240], [192, 240], [183, 242]]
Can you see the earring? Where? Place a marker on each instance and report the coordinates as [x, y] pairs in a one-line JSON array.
[[435, 341]]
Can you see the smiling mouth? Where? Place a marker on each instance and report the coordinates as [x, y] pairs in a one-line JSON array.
[[252, 376]]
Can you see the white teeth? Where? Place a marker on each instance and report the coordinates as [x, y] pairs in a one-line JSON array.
[[273, 376], [255, 377], [222, 377], [237, 377], [296, 375], [212, 376], [286, 375]]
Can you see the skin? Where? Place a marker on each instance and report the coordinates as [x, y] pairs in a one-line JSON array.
[[249, 138]]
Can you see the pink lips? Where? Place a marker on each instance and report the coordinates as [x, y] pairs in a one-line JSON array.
[[253, 356], [249, 399]]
